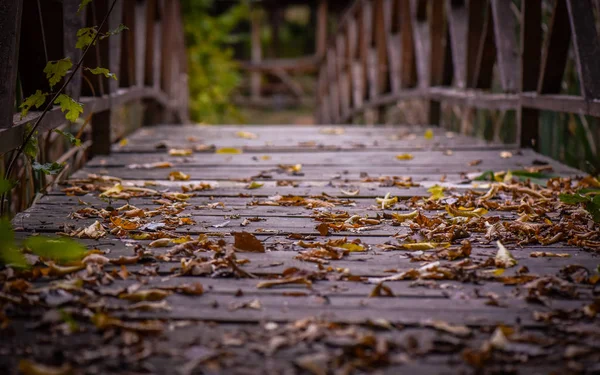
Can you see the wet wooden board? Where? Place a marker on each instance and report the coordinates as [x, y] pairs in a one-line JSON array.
[[333, 165]]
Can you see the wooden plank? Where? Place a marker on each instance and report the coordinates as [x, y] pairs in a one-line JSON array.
[[486, 56], [140, 43], [586, 46], [437, 32], [422, 40], [115, 44], [127, 67], [530, 59], [321, 32], [457, 25], [505, 29], [73, 21], [475, 24], [408, 65], [555, 50], [10, 24]]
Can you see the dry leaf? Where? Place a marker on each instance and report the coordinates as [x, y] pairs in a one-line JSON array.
[[178, 176], [246, 135], [228, 150], [504, 258], [245, 241], [404, 156], [180, 152]]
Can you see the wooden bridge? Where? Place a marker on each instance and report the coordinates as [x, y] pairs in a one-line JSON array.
[[321, 249]]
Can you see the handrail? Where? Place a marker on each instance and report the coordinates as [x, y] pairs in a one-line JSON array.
[[445, 52], [149, 60]]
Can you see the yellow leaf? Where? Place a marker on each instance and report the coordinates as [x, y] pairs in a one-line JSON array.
[[146, 295], [465, 213], [265, 157], [161, 242], [246, 135], [255, 185], [429, 134], [403, 217], [180, 152], [504, 258], [228, 150], [31, 368], [352, 247], [437, 192], [124, 224], [181, 240], [178, 176], [404, 156], [387, 201], [416, 246], [123, 142], [332, 131]]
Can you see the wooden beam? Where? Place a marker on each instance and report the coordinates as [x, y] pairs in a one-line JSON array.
[[475, 23], [556, 50], [10, 29], [408, 65], [321, 37], [505, 29], [140, 41], [530, 57], [457, 24], [421, 40], [256, 52], [486, 55], [586, 46], [72, 22]]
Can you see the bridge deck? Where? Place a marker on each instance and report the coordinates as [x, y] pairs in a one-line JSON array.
[[439, 320]]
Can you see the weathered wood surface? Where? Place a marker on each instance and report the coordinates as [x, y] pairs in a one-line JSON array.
[[242, 315]]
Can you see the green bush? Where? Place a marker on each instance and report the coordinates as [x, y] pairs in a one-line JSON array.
[[213, 73]]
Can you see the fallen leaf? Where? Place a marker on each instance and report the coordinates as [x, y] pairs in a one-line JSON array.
[[544, 254], [255, 185], [387, 201], [332, 131], [323, 229], [180, 152], [245, 241], [405, 156], [428, 134], [246, 135], [381, 290], [178, 176], [27, 367], [228, 150], [437, 192], [146, 295], [286, 281], [504, 258], [506, 154]]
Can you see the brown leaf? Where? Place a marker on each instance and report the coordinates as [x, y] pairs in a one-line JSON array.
[[247, 242], [381, 290], [323, 229]]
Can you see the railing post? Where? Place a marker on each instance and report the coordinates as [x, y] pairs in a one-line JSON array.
[[530, 58], [10, 30]]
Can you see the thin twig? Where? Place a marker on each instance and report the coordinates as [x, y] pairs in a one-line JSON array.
[[50, 105]]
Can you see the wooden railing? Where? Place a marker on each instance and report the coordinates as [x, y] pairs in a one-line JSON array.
[[478, 54], [148, 59]]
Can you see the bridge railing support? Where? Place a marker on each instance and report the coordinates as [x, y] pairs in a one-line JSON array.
[[149, 60], [471, 54]]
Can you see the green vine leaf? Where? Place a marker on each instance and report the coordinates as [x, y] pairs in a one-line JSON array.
[[72, 108], [31, 147], [82, 5], [56, 70], [116, 30], [6, 185], [36, 100], [85, 36], [48, 168], [72, 139], [102, 71]]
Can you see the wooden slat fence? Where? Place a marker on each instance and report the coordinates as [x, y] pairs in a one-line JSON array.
[[478, 54]]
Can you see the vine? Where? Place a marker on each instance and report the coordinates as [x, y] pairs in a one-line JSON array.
[[61, 249]]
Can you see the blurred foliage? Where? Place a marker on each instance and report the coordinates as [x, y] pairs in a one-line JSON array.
[[213, 73]]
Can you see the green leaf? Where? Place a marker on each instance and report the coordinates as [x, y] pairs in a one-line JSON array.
[[6, 185], [485, 176], [535, 177], [116, 30], [82, 5], [573, 198], [74, 141], [31, 147], [58, 249], [102, 71], [85, 36], [56, 70], [593, 208], [589, 191], [9, 253], [48, 168], [72, 108], [36, 100]]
